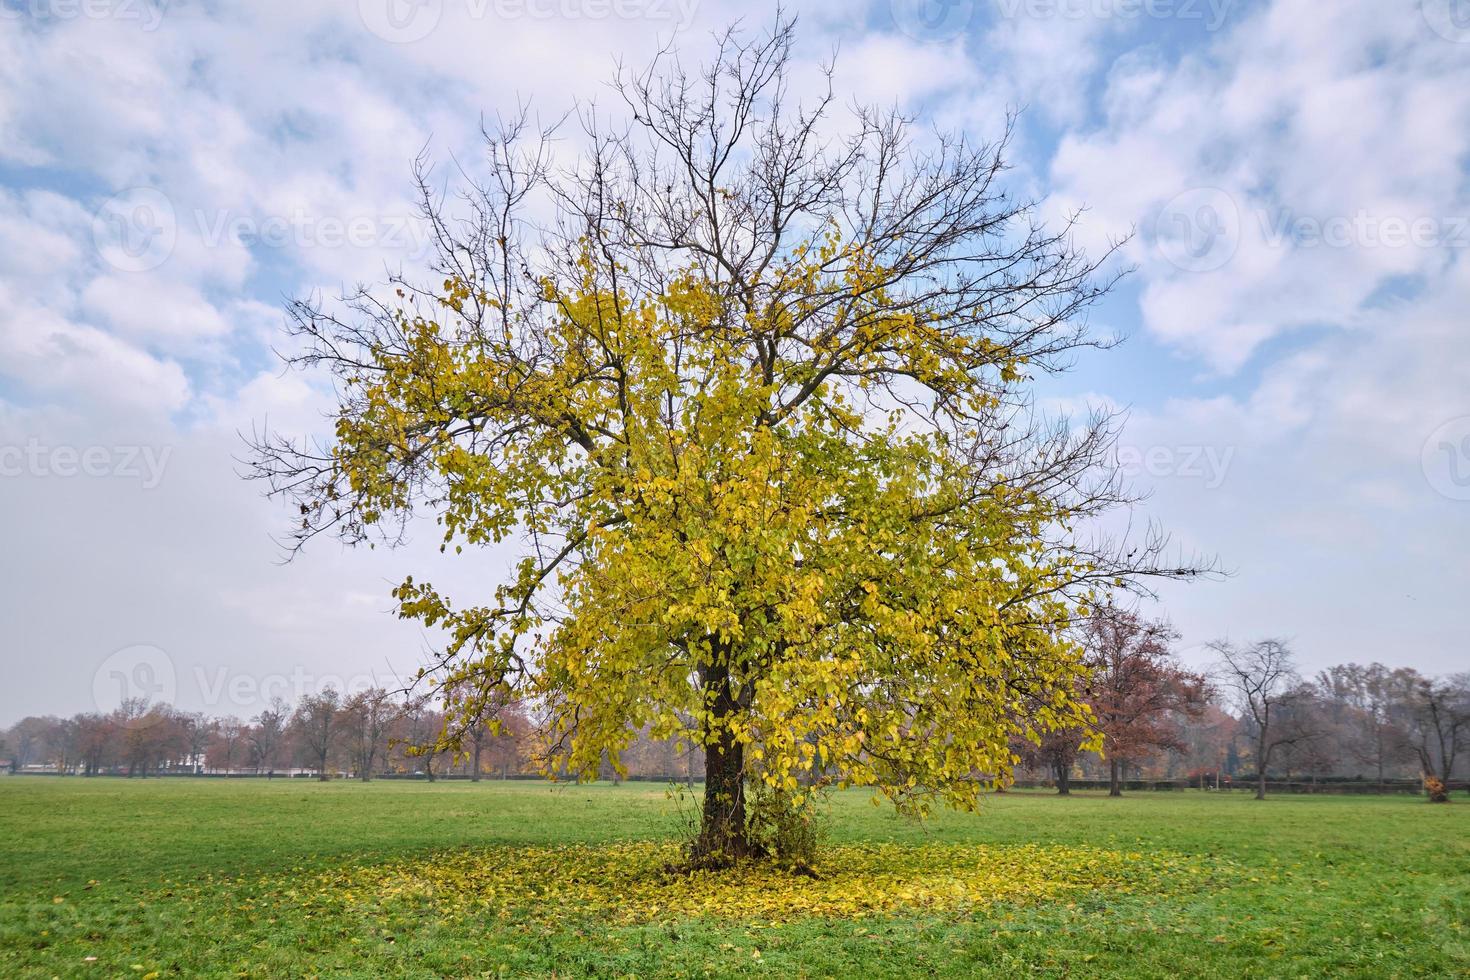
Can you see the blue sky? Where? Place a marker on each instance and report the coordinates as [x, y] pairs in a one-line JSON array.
[[1295, 177]]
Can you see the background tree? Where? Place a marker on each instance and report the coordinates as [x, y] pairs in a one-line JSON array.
[[224, 748], [27, 742], [758, 399], [197, 730], [1316, 750], [317, 725], [418, 736], [1137, 691], [368, 716], [1434, 716], [1370, 692], [267, 733], [96, 742], [1056, 752], [1262, 680]]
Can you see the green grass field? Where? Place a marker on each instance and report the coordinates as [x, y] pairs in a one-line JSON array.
[[111, 877]]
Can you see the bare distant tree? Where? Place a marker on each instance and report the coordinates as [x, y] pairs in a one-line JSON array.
[[270, 728], [1434, 716], [197, 729], [227, 735], [368, 716], [420, 729], [27, 742], [1372, 692], [317, 725], [1262, 680], [96, 742]]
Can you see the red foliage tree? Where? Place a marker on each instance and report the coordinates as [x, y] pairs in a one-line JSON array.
[[1138, 692]]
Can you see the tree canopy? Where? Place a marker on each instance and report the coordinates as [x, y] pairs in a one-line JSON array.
[[749, 380]]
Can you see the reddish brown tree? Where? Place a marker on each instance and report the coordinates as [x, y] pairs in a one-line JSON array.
[[1138, 692]]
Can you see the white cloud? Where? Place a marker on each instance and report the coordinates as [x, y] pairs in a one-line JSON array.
[[1302, 119], [280, 136]]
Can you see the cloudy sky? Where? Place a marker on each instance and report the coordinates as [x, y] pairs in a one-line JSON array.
[[1295, 174]]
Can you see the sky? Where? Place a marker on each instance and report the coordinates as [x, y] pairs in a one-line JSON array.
[[1294, 176]]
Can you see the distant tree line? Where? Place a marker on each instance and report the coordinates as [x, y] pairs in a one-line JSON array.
[[1252, 718], [368, 734]]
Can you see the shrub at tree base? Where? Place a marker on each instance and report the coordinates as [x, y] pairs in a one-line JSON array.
[[1436, 790]]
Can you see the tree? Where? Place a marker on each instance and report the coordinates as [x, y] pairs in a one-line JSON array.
[[228, 733], [1057, 750], [1316, 750], [197, 730], [758, 399], [1371, 692], [367, 716], [268, 731], [96, 742], [27, 742], [1137, 691], [1263, 682], [1434, 715], [317, 724], [419, 727]]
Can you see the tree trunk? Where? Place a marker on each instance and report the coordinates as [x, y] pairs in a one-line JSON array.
[[475, 773], [1064, 779], [1115, 781], [723, 837], [1260, 782]]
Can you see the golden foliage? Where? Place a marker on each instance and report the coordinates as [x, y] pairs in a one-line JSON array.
[[629, 883]]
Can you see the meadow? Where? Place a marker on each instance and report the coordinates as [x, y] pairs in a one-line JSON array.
[[184, 877]]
